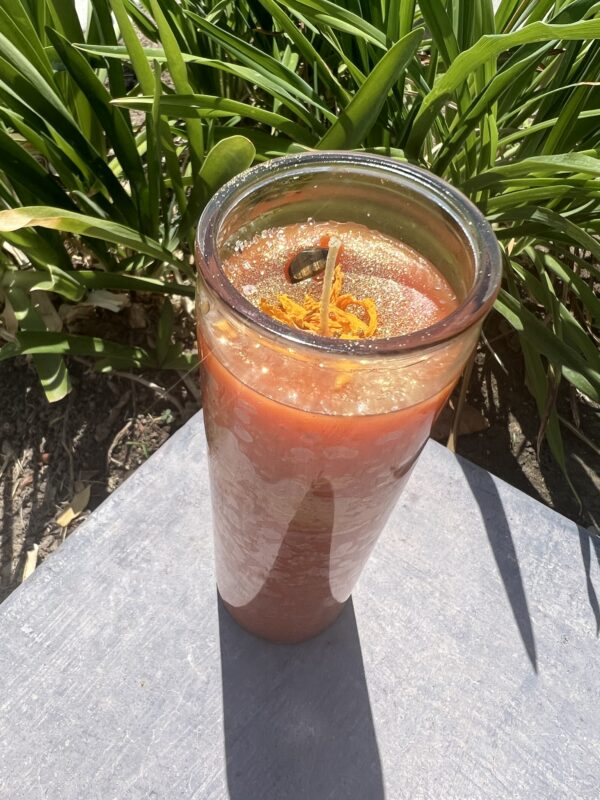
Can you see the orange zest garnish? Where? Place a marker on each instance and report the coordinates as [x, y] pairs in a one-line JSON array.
[[349, 318], [341, 380]]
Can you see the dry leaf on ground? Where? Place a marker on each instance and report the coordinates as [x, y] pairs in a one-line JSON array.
[[74, 509], [30, 562]]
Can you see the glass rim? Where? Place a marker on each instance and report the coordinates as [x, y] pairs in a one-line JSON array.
[[475, 230]]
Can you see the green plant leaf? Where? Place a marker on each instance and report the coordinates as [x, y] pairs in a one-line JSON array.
[[72, 284], [94, 279], [537, 165], [565, 326], [486, 49], [358, 118], [255, 58], [102, 29], [28, 89], [51, 368], [322, 12], [16, 25], [50, 343], [226, 159], [58, 219], [46, 148], [146, 80], [25, 171], [179, 73], [577, 371], [154, 170], [42, 248], [50, 279], [440, 25], [538, 385], [309, 53], [537, 221], [266, 146], [164, 332], [65, 19], [139, 61], [209, 106], [576, 284], [467, 122], [522, 133], [111, 119], [551, 192], [276, 87]]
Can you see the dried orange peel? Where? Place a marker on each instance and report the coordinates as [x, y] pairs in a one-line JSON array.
[[349, 317]]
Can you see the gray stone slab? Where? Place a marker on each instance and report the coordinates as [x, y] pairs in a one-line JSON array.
[[467, 666]]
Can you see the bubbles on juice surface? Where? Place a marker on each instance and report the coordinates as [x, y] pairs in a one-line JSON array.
[[409, 292]]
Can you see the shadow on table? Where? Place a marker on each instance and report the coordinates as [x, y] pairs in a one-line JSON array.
[[501, 542], [587, 542], [297, 718]]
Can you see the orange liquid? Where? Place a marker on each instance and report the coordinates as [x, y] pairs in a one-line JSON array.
[[300, 497]]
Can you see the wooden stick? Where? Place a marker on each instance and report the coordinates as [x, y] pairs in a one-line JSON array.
[[334, 248]]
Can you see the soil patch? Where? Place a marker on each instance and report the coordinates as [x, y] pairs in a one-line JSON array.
[[49, 453]]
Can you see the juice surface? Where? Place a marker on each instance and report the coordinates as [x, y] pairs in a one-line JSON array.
[[300, 496]]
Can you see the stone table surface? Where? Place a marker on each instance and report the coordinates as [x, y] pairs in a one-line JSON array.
[[466, 666]]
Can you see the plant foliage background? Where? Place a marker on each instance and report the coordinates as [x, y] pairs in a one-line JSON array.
[[114, 134]]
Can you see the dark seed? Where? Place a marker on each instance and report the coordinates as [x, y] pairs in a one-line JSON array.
[[307, 264]]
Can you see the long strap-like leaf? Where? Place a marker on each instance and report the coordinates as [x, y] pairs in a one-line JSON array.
[[357, 119], [487, 48], [81, 224]]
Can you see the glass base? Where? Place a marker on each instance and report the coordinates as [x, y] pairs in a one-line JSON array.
[[269, 625]]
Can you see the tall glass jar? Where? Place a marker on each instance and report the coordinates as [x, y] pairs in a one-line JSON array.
[[303, 478]]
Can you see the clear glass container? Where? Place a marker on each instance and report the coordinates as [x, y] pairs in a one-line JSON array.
[[312, 438]]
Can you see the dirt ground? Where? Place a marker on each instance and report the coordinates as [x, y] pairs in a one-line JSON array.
[[51, 456]]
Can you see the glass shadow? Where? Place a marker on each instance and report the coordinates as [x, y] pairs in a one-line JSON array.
[[297, 718], [497, 528]]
